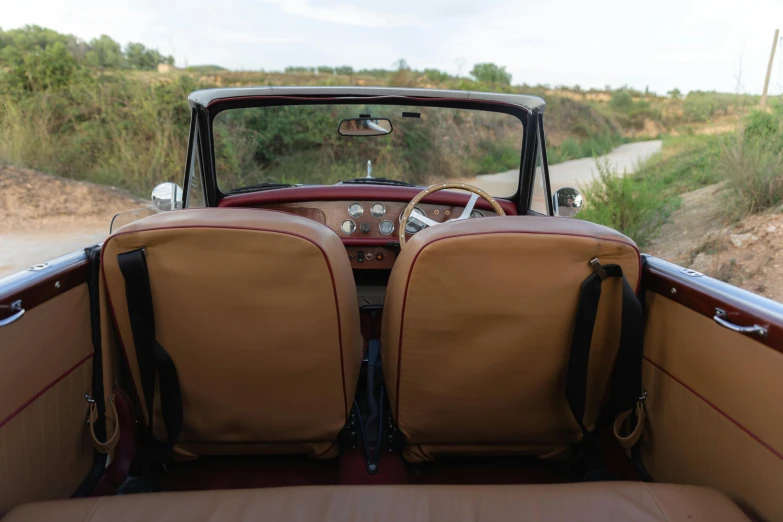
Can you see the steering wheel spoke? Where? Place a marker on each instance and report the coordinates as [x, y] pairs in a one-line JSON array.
[[423, 219], [476, 193], [469, 207]]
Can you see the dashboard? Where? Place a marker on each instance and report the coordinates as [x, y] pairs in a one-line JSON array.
[[366, 218], [368, 227]]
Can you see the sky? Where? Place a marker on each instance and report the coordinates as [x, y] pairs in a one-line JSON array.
[[686, 44]]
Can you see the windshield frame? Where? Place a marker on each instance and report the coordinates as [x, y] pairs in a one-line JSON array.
[[529, 118]]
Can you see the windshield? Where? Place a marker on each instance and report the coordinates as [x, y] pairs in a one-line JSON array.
[[332, 143]]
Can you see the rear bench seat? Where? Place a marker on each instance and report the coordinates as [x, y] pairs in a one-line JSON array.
[[596, 501]]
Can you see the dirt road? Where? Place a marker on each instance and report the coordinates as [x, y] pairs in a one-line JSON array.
[[575, 172], [42, 216]]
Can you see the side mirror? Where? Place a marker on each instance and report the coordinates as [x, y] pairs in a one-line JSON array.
[[365, 127], [567, 202], [164, 194]]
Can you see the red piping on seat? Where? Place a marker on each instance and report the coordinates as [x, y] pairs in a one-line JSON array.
[[723, 413], [50, 385], [410, 272], [293, 234]]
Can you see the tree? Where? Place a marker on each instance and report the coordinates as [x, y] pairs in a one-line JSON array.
[[36, 59], [105, 52], [675, 94], [491, 73], [139, 57], [402, 65]]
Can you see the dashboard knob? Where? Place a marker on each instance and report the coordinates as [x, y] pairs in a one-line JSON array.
[[365, 228]]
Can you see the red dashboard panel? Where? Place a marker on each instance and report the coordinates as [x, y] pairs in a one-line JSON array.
[[355, 192], [366, 246]]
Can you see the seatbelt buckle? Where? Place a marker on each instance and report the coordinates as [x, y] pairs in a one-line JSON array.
[[598, 268]]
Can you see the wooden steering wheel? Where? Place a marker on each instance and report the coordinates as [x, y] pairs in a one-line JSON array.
[[475, 193]]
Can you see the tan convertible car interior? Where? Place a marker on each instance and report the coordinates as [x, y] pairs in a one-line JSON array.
[[282, 341]]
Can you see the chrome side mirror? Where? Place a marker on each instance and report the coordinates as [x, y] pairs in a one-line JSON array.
[[164, 194], [567, 202]]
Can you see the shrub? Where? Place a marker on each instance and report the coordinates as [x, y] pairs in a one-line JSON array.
[[621, 101], [491, 73], [625, 203], [752, 161], [436, 76]]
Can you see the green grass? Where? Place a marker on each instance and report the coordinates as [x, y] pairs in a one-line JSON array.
[[752, 162], [638, 204], [575, 148]]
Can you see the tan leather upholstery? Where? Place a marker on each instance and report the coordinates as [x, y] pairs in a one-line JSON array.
[[46, 362], [258, 311], [713, 404], [598, 501], [477, 329]]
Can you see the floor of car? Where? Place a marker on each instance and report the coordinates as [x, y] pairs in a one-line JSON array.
[[349, 469]]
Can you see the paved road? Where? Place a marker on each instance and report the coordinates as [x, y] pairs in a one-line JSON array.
[[575, 172]]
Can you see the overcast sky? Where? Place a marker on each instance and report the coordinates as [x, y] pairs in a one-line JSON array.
[[688, 44]]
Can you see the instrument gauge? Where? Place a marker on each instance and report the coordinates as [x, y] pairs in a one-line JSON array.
[[378, 210], [348, 227], [386, 227], [476, 213], [355, 210], [413, 225]]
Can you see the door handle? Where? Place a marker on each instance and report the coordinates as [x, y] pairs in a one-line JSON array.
[[721, 317], [18, 312]]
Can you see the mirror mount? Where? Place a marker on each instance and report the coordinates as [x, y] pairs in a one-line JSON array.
[[567, 202], [164, 194]]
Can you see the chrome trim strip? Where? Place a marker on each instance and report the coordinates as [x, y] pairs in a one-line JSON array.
[[741, 299], [25, 278]]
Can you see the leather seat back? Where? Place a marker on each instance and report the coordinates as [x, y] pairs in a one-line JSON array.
[[258, 311], [477, 330]]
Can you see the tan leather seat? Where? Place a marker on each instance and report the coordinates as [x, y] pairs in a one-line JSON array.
[[597, 501], [477, 329], [259, 312]]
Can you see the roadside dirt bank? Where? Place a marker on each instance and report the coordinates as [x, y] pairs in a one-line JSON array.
[[747, 253], [43, 216]]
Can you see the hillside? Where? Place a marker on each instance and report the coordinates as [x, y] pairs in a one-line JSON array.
[[97, 112]]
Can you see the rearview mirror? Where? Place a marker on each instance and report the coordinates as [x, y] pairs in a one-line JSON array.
[[365, 127], [567, 202], [164, 194]]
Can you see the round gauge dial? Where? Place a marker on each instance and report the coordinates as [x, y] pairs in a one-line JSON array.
[[348, 227], [414, 225], [355, 210], [386, 227], [476, 213], [377, 210]]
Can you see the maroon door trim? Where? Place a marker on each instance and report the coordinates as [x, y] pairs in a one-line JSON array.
[[703, 295], [35, 287]]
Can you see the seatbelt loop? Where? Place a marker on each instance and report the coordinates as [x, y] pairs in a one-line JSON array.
[[598, 268]]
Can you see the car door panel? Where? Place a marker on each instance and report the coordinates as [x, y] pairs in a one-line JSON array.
[[46, 361], [713, 394]]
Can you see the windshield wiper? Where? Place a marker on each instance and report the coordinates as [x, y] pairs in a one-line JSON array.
[[378, 181], [260, 186]]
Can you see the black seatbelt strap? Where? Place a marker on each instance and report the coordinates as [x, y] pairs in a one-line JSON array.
[[626, 378], [152, 358]]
